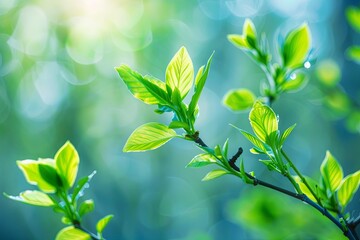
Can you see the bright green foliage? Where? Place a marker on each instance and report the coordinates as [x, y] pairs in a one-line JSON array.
[[263, 121], [295, 83], [214, 174], [202, 160], [348, 187], [353, 53], [180, 72], [353, 17], [71, 233], [148, 137], [102, 223], [331, 172], [297, 46], [67, 162], [248, 39], [328, 72], [33, 198], [55, 177], [239, 99]]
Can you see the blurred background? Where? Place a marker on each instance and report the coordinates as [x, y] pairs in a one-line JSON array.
[[58, 83]]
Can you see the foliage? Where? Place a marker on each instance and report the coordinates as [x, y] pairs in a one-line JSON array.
[[353, 17], [54, 178], [332, 194]]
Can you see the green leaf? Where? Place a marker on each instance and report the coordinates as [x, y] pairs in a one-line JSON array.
[[348, 187], [353, 17], [239, 41], [180, 72], [214, 174], [71, 233], [254, 140], [49, 174], [286, 133], [314, 186], [86, 207], [202, 160], [102, 223], [157, 89], [331, 172], [36, 198], [31, 172], [199, 85], [148, 137], [328, 72], [134, 82], [81, 185], [249, 32], [239, 99], [263, 121], [225, 147], [177, 124], [353, 53], [67, 163], [296, 47], [295, 83], [270, 165]]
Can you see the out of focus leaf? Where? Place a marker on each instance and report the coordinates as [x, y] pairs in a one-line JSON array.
[[353, 16], [239, 99], [102, 223], [71, 233], [294, 84], [353, 53], [328, 72], [36, 198]]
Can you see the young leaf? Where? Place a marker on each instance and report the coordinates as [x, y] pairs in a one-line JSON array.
[[102, 223], [286, 134], [296, 47], [81, 185], [49, 174], [254, 140], [133, 81], [180, 72], [239, 41], [239, 99], [348, 187], [177, 124], [199, 85], [353, 17], [36, 198], [202, 160], [353, 53], [31, 172], [295, 84], [313, 184], [331, 172], [270, 165], [71, 233], [67, 163], [249, 32], [214, 174], [225, 147], [148, 137], [263, 121], [86, 207]]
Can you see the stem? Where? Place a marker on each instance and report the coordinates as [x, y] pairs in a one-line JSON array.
[[348, 232], [301, 176]]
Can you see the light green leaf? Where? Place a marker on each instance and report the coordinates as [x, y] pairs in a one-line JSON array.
[[328, 72], [177, 124], [270, 165], [202, 160], [71, 233], [353, 17], [254, 140], [214, 174], [312, 183], [31, 172], [353, 53], [133, 81], [239, 41], [263, 121], [199, 85], [86, 207], [331, 172], [81, 185], [49, 174], [348, 187], [296, 47], [36, 198], [296, 83], [225, 147], [239, 99], [249, 32], [67, 162], [180, 72], [286, 134], [148, 137], [102, 223]]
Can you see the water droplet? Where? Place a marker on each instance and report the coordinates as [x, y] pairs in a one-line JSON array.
[[307, 64], [293, 76]]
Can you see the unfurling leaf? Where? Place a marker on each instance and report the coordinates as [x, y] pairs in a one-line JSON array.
[[148, 137], [239, 99], [263, 121], [180, 72], [348, 187], [214, 174], [202, 160], [331, 172], [67, 163], [297, 46], [36, 198], [102, 223], [71, 233]]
